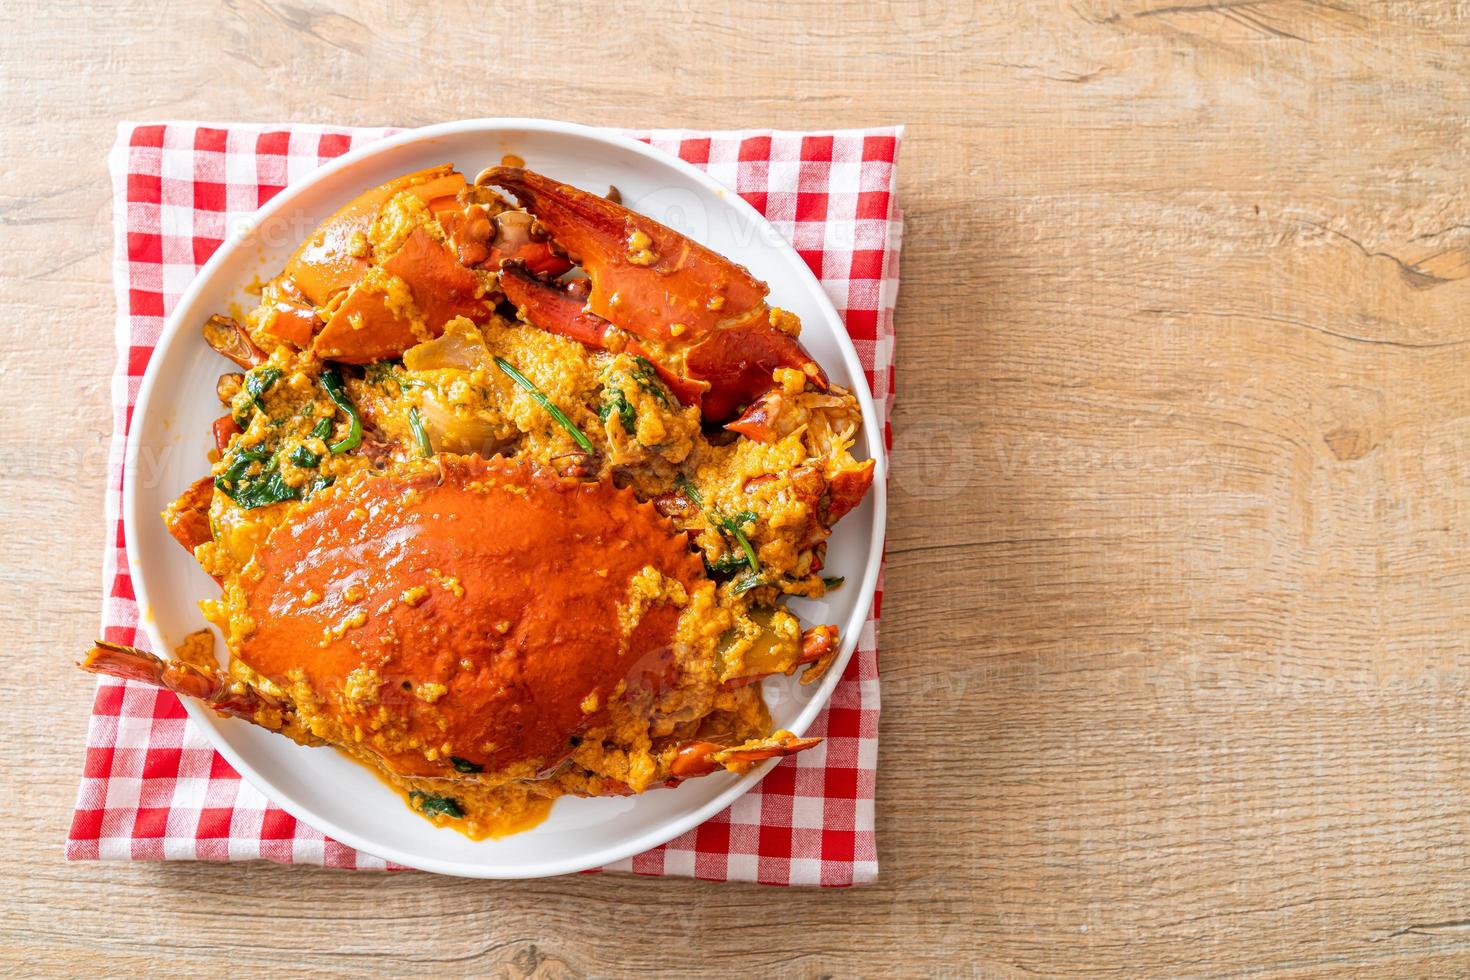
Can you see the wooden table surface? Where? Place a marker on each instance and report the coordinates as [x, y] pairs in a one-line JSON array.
[[1174, 652]]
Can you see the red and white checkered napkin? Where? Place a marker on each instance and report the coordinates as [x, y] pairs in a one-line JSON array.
[[153, 788]]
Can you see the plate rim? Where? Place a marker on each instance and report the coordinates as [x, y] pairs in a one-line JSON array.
[[873, 437]]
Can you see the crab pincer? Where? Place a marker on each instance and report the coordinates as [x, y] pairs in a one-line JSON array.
[[694, 314]]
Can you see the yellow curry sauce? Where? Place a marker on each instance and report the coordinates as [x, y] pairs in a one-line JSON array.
[[318, 439]]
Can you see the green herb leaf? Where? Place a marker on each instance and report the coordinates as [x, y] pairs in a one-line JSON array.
[[264, 487], [465, 765], [304, 458], [728, 563], [733, 527], [613, 400], [383, 373], [436, 806], [745, 545], [322, 429], [257, 382], [647, 377], [545, 403], [332, 382], [748, 581], [728, 526], [426, 448], [832, 581], [690, 491]]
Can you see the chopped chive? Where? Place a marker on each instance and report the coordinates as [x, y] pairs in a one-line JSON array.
[[426, 449], [755, 563], [545, 403], [690, 491]]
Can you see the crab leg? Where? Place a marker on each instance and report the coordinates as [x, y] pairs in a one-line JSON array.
[[230, 340], [220, 694], [700, 758]]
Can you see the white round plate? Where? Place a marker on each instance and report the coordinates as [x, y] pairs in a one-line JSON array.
[[170, 439]]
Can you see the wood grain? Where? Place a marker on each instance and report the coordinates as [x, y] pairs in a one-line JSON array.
[[1174, 649]]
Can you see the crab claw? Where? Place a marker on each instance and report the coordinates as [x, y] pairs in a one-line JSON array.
[[646, 278], [220, 694], [700, 758], [561, 308], [553, 307], [670, 292], [514, 239], [737, 363]]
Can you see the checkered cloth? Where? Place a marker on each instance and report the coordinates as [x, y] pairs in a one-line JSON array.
[[153, 788]]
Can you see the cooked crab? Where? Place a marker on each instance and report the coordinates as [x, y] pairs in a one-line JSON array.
[[475, 523]]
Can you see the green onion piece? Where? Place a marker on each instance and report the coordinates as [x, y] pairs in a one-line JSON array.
[[545, 403], [426, 449], [332, 382], [832, 581]]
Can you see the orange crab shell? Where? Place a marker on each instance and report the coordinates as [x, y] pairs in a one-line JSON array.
[[367, 328], [469, 609], [327, 262]]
